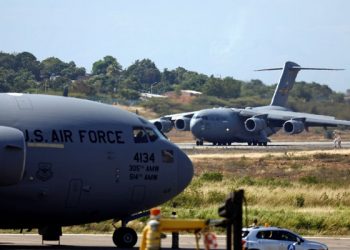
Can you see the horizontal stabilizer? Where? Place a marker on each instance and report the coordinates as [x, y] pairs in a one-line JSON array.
[[297, 68], [316, 68], [268, 69]]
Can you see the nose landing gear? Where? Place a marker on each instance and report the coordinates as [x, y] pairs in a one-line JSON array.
[[126, 237]]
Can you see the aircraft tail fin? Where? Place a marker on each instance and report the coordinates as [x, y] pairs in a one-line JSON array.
[[287, 79]]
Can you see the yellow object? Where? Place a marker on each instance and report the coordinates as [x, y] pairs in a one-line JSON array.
[[175, 225], [151, 236], [151, 233]]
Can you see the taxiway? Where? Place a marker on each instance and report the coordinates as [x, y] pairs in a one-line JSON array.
[[272, 146]]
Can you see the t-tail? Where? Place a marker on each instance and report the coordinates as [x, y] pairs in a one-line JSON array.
[[287, 80]]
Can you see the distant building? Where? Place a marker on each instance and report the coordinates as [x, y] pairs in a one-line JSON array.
[[190, 92], [149, 95], [185, 96]]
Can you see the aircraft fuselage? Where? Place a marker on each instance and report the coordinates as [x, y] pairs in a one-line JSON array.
[[83, 163]]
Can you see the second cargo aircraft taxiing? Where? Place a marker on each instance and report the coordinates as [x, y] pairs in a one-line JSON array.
[[222, 126], [66, 161]]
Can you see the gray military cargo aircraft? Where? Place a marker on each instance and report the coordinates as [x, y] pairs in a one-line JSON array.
[[67, 161], [222, 126]]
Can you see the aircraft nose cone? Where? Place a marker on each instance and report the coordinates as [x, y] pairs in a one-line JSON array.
[[196, 127], [185, 171]]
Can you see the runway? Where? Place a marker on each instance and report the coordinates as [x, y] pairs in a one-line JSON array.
[[272, 146], [104, 242]]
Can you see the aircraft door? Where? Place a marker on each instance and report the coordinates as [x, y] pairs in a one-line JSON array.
[[74, 192]]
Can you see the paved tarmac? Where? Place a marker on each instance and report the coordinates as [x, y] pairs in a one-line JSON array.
[[104, 242], [272, 146]]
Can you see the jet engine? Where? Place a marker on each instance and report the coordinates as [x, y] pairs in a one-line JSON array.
[[183, 124], [293, 127], [163, 125], [255, 124], [12, 156]]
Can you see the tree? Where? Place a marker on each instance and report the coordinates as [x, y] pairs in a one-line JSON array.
[[107, 66], [129, 83], [300, 91], [226, 88], [257, 88], [169, 77], [102, 83], [23, 80], [193, 81], [145, 71], [72, 72], [180, 74], [129, 94], [28, 61], [81, 86], [51, 66], [4, 83], [54, 67], [7, 61]]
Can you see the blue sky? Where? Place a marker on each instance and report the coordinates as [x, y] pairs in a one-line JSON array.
[[223, 38]]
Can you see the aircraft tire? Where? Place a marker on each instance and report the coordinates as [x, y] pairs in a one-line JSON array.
[[125, 237], [250, 143], [265, 144], [199, 142], [214, 143]]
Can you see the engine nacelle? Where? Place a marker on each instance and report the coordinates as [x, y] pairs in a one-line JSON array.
[[293, 127], [12, 156], [183, 124], [255, 124], [163, 125]]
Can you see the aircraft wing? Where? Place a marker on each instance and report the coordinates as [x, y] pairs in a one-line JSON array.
[[278, 117], [174, 117]]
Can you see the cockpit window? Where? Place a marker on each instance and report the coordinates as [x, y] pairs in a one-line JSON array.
[[140, 135], [168, 156], [151, 134]]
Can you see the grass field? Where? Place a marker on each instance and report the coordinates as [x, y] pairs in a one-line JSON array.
[[309, 193]]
